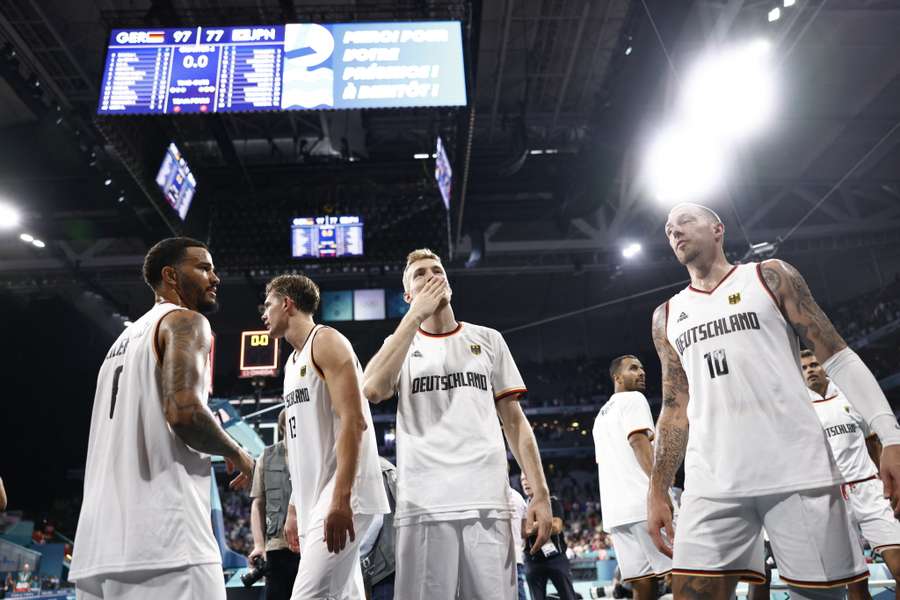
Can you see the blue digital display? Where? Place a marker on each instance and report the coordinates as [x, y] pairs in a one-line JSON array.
[[326, 237], [300, 66], [337, 306], [176, 181]]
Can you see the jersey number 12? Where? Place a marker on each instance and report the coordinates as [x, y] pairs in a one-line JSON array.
[[717, 363]]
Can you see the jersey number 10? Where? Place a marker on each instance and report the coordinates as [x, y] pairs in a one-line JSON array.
[[717, 363]]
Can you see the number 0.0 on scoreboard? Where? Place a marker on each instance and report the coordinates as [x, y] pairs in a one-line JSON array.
[[259, 354]]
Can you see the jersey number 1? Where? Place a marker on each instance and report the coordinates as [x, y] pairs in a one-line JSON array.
[[717, 363], [115, 389]]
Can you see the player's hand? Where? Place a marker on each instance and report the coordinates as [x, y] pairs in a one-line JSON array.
[[434, 294], [659, 518], [539, 517], [257, 551], [890, 475], [339, 526], [291, 535], [244, 463]]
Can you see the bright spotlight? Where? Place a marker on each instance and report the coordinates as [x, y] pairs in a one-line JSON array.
[[629, 251], [126, 323], [9, 217], [684, 165], [731, 93], [26, 237], [788, 3], [774, 14], [38, 243], [107, 181], [627, 50], [420, 155]]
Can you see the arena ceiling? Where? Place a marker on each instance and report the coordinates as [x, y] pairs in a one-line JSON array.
[[546, 157]]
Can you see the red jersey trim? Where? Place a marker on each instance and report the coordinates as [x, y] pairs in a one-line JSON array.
[[826, 584], [312, 356], [824, 399], [721, 281], [156, 348], [442, 335], [506, 393], [742, 574]]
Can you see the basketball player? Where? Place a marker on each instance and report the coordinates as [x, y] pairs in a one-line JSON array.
[[848, 434], [145, 529], [623, 434], [331, 447], [453, 379], [728, 342]]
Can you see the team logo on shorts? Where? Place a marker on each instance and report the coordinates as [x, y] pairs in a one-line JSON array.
[[303, 371], [734, 298], [475, 348]]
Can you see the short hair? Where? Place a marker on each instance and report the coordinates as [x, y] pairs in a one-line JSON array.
[[616, 364], [282, 417], [807, 354], [166, 253], [710, 213], [302, 290], [414, 256]]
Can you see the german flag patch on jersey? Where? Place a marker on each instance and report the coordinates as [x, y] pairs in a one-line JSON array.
[[734, 298], [475, 348]]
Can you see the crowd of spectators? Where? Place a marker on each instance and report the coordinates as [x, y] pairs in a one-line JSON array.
[[236, 515]]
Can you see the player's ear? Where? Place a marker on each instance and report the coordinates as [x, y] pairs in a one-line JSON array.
[[170, 275], [406, 297]]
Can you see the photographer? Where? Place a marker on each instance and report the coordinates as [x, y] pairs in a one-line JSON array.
[[271, 493], [550, 562]]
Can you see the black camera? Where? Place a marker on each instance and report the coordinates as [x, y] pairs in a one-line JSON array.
[[256, 571]]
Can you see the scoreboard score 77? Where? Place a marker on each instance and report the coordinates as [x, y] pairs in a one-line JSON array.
[[259, 354]]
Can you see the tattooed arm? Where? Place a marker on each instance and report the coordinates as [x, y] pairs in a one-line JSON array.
[[799, 307], [841, 364], [671, 436], [184, 340]]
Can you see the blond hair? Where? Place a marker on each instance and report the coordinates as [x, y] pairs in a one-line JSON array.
[[416, 255]]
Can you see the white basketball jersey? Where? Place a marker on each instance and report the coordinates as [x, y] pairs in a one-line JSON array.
[[146, 493], [451, 459], [847, 432], [311, 431], [752, 430], [623, 483]]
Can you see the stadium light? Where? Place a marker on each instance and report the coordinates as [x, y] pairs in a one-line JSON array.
[[774, 14], [788, 3], [732, 92], [26, 237], [631, 250], [9, 217], [126, 323], [684, 165], [38, 243], [420, 155]]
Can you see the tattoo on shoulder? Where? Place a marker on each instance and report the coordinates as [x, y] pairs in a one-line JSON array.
[[771, 277], [809, 321]]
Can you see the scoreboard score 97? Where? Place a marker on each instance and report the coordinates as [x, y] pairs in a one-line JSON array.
[[259, 354]]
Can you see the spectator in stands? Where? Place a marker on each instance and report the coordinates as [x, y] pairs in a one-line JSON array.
[[2, 496], [271, 492], [550, 562]]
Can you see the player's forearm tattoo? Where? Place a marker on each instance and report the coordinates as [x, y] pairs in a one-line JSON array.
[[672, 434], [810, 323], [204, 434], [671, 444], [183, 389]]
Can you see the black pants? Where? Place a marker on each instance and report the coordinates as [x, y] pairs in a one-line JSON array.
[[283, 565], [556, 570]]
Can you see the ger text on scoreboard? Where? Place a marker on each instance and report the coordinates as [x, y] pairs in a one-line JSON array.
[[298, 66]]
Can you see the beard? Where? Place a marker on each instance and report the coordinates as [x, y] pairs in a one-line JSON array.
[[688, 257], [198, 293]]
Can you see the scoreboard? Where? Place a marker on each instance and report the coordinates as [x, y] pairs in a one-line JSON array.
[[259, 354], [298, 66], [326, 237]]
